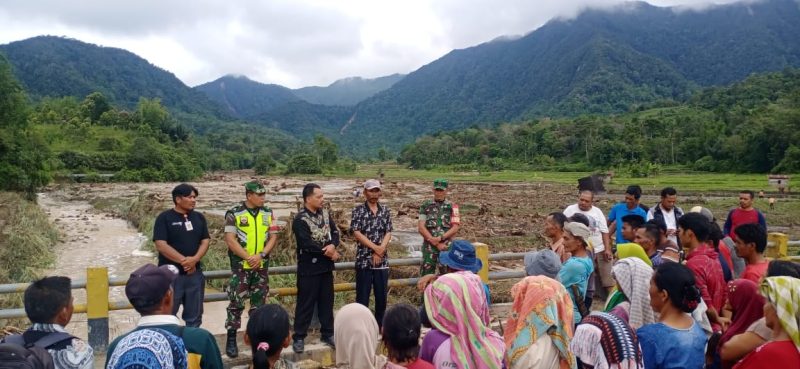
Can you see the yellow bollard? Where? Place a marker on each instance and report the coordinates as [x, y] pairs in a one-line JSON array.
[[780, 248], [97, 307], [482, 252]]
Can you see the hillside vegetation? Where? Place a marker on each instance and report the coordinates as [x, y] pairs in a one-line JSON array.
[[751, 126]]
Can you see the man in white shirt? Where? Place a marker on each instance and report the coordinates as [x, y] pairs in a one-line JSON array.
[[599, 238], [668, 212]]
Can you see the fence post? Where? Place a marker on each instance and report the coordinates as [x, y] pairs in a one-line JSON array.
[[781, 248], [482, 252], [97, 307]]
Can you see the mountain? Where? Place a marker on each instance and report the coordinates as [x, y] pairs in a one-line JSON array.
[[347, 91], [603, 61], [244, 97], [57, 66]]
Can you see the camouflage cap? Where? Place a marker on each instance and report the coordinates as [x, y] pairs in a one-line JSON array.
[[440, 184], [255, 187]]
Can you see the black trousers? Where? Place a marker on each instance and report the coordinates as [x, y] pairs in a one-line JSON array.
[[314, 290], [366, 281], [189, 291]]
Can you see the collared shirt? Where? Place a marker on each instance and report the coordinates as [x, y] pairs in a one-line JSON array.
[[703, 261], [151, 320], [67, 354], [620, 210], [374, 226]]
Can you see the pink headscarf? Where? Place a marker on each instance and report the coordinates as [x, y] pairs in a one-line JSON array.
[[456, 306]]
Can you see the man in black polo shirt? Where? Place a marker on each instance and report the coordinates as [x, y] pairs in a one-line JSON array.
[[181, 238], [317, 238]]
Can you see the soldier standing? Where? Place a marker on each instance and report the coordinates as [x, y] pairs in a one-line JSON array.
[[439, 221], [250, 233]]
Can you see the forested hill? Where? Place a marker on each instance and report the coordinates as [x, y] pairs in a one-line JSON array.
[[347, 91], [244, 98], [57, 66], [751, 126], [603, 61]]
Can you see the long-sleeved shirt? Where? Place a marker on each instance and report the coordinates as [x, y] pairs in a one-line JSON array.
[[704, 263], [313, 231]]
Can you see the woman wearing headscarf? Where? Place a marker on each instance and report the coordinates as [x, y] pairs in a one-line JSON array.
[[574, 275], [604, 341], [631, 301], [456, 306], [356, 335], [747, 306], [633, 250], [782, 312], [539, 329]]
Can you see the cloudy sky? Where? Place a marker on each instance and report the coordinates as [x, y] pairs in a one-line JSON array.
[[294, 43]]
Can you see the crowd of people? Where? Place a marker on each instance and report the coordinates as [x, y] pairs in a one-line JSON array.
[[640, 288]]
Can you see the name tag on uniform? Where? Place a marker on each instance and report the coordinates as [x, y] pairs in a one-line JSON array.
[[188, 225]]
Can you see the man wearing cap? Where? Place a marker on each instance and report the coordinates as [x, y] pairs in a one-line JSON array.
[[250, 234], [149, 291], [439, 221], [181, 238], [543, 262], [372, 227]]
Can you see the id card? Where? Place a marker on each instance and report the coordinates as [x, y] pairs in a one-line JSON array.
[[188, 225]]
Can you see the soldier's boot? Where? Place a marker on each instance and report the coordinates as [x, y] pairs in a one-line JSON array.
[[231, 349]]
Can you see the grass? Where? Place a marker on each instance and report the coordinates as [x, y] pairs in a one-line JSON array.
[[26, 246], [678, 178]]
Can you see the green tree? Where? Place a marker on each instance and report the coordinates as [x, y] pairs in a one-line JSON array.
[[93, 106], [326, 150], [303, 164], [24, 156]]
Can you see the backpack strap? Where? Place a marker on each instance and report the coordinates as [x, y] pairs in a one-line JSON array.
[[44, 342], [52, 339]]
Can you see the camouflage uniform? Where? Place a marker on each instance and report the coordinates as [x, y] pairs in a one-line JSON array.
[[439, 217], [245, 281]]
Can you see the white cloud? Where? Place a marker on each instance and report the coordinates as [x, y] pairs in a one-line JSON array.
[[292, 43]]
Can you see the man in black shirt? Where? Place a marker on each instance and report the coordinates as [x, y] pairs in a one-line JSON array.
[[181, 238], [317, 238]]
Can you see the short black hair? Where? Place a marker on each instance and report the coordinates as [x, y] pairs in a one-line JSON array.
[[783, 268], [46, 297], [753, 232], [580, 218], [668, 191], [182, 190], [751, 193], [634, 190], [658, 222], [652, 231], [680, 284], [697, 223], [308, 190], [634, 220], [401, 331], [559, 218]]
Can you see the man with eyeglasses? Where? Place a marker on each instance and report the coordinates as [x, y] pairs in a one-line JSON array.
[[438, 222], [372, 227]]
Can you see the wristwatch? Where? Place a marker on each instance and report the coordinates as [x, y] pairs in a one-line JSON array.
[[263, 255]]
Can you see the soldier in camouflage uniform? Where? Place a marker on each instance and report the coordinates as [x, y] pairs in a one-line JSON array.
[[250, 234], [439, 221]]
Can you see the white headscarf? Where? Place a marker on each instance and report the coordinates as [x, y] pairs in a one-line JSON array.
[[356, 335]]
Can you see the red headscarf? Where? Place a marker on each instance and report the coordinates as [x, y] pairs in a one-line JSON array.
[[748, 306]]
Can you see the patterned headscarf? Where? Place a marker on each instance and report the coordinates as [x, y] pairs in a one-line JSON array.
[[541, 306], [604, 341], [784, 294], [627, 250], [356, 335], [149, 348], [456, 306], [633, 277]]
